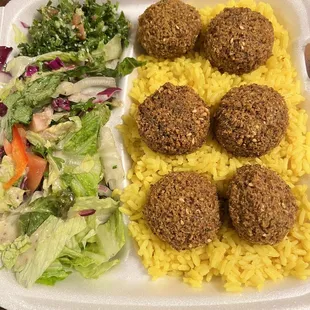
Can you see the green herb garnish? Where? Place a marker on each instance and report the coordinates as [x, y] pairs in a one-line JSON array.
[[71, 26]]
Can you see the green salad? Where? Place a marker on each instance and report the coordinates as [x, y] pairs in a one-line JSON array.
[[59, 162]]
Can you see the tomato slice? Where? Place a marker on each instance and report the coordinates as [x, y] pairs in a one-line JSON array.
[[36, 166]]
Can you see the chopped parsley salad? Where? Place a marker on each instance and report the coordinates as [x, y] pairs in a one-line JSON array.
[[59, 163]]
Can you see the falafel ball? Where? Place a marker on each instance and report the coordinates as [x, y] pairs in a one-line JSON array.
[[169, 28], [238, 40], [251, 120], [183, 210], [261, 205], [174, 120]]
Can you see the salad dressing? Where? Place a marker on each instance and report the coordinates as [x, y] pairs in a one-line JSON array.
[[8, 228]]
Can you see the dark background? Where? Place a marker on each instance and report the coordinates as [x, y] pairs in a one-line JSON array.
[[3, 2]]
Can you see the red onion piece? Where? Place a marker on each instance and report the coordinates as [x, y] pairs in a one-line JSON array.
[[106, 94], [55, 64], [25, 25], [104, 191], [2, 152], [61, 104], [4, 54], [23, 183], [87, 212], [3, 109], [31, 70]]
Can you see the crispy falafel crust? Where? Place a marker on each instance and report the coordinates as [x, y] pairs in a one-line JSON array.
[[251, 120], [169, 28], [174, 120], [238, 40], [183, 210], [261, 205]]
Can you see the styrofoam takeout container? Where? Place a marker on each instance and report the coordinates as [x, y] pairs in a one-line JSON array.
[[128, 286]]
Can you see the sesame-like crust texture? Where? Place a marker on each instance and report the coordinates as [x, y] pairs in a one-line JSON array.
[[261, 205], [251, 120], [183, 210], [169, 29], [174, 120], [238, 40]]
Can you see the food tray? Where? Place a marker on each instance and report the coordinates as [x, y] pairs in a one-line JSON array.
[[128, 286]]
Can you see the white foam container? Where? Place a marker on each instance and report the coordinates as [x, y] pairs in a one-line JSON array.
[[128, 286]]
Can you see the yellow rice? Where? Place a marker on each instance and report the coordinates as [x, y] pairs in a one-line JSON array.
[[239, 263]]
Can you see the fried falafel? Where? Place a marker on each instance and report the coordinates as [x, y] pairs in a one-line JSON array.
[[262, 207], [169, 29], [251, 120], [174, 120], [183, 210], [238, 40]]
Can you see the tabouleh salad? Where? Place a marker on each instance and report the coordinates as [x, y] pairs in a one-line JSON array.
[[59, 164]]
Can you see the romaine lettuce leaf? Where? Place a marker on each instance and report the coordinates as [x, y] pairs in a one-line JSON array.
[[37, 140], [40, 209], [47, 243], [10, 252], [103, 210], [79, 173], [20, 104], [111, 236], [54, 172], [81, 184], [21, 113], [53, 134], [82, 174], [29, 222], [7, 121], [85, 141], [89, 264], [19, 36], [67, 57], [90, 268], [39, 92], [99, 68], [16, 84], [13, 197], [104, 207], [7, 169], [54, 273], [98, 255], [59, 131], [112, 50], [126, 66], [18, 65]]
